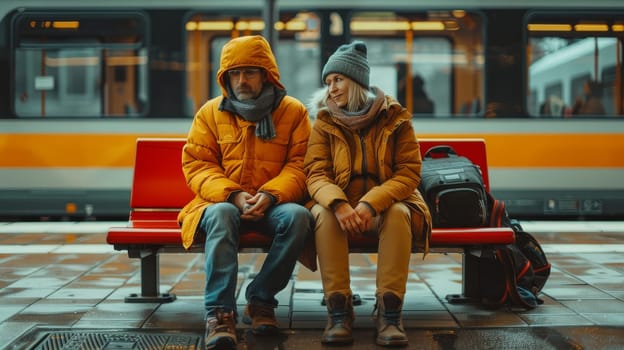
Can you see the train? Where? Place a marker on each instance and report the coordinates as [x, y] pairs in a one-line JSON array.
[[81, 80]]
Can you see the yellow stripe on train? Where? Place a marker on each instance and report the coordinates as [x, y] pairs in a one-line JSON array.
[[504, 150], [551, 150], [70, 150]]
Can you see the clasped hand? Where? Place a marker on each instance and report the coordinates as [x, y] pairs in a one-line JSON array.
[[354, 221], [252, 207]]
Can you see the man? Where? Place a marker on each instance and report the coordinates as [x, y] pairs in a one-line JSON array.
[[244, 160]]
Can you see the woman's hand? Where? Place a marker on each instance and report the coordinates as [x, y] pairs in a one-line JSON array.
[[366, 215], [349, 219]]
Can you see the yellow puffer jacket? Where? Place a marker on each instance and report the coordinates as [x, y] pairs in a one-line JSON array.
[[328, 165], [222, 153]]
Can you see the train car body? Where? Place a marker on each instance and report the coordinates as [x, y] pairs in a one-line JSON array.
[[80, 81]]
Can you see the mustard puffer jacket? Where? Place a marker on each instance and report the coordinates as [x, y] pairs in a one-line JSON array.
[[222, 153], [328, 165]]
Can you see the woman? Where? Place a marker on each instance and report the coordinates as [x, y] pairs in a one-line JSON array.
[[363, 170]]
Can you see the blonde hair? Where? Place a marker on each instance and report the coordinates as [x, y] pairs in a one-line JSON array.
[[358, 97]]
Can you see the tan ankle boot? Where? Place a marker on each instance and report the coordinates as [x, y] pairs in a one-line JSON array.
[[339, 320], [389, 322]]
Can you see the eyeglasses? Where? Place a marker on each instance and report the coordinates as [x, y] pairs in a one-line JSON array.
[[248, 73]]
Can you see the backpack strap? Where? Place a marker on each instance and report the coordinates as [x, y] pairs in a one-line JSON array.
[[504, 256], [496, 214]]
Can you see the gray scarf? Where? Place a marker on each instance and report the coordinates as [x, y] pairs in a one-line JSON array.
[[257, 110]]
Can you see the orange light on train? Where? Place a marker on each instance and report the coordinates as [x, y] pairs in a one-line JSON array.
[[451, 25], [296, 26], [209, 25], [218, 25], [617, 27], [591, 28], [250, 25], [428, 25], [459, 13], [191, 26], [540, 27], [379, 25], [71, 208], [65, 24]]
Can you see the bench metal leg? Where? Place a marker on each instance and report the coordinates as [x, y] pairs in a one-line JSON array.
[[470, 281], [150, 282]]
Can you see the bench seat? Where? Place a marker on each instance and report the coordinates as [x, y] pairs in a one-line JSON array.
[[159, 191], [167, 233]]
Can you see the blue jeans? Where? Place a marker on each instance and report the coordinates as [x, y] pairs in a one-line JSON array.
[[289, 224]]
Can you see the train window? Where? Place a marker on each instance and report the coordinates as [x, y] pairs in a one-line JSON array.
[[574, 64], [431, 61], [298, 35], [79, 64]]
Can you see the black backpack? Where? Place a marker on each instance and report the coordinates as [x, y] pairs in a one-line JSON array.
[[513, 274], [453, 188]]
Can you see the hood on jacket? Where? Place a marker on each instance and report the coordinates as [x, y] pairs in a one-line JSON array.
[[246, 51]]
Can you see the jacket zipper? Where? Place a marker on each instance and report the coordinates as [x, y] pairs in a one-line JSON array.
[[364, 162]]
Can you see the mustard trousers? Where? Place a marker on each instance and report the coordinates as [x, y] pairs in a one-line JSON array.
[[393, 228]]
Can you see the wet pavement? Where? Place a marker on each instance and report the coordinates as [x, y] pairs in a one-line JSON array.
[[61, 286]]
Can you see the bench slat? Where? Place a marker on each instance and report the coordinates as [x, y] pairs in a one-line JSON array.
[[167, 233]]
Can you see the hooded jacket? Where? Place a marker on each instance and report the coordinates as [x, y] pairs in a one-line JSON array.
[[329, 169], [223, 155]]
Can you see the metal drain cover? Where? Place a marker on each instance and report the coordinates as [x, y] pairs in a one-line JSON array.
[[115, 340]]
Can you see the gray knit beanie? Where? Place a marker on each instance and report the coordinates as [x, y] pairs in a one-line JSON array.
[[349, 60]]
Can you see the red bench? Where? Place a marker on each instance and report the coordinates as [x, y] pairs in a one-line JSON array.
[[159, 191]]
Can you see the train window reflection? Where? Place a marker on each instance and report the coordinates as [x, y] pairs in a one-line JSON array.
[[576, 72], [428, 90], [86, 82], [431, 61], [79, 64], [57, 82]]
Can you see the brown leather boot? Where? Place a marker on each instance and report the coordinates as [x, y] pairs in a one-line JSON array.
[[339, 320], [220, 330], [388, 321], [262, 319]]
